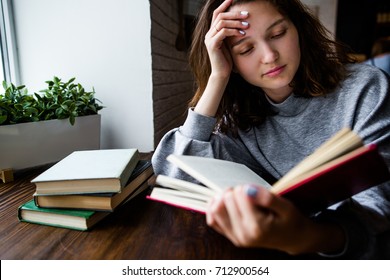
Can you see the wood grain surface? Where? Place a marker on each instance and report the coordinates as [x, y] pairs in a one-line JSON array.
[[141, 229]]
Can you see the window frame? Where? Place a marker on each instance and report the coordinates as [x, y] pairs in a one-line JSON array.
[[8, 46]]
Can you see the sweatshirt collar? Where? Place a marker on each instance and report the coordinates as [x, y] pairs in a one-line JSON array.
[[290, 107]]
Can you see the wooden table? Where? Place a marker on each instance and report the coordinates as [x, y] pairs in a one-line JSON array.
[[141, 229]]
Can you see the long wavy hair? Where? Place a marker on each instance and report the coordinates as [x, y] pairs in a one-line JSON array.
[[322, 66]]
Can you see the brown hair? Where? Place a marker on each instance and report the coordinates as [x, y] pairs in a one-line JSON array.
[[244, 105]]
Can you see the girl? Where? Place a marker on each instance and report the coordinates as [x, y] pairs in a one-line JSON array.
[[272, 87]]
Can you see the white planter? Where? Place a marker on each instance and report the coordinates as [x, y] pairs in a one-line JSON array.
[[31, 144]]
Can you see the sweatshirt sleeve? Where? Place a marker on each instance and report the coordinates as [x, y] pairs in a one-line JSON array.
[[196, 137], [192, 138]]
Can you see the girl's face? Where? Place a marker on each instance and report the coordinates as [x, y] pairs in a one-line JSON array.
[[268, 56]]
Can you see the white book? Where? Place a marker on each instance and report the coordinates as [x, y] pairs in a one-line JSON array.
[[216, 175], [89, 171]]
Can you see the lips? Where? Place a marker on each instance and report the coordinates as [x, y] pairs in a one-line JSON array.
[[275, 71]]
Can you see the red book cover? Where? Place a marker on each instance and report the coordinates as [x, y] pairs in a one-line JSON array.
[[351, 174]]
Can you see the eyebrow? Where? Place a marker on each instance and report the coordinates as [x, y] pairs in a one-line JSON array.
[[279, 21]]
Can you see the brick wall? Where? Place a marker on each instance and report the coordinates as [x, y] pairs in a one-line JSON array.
[[173, 84]]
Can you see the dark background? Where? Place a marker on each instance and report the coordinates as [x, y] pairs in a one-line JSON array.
[[357, 23]]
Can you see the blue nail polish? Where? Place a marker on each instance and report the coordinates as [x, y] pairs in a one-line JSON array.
[[251, 191]]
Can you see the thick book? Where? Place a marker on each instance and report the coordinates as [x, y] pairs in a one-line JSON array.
[[100, 201], [90, 171], [65, 218], [337, 170]]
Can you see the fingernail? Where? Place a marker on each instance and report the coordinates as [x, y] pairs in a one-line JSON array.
[[244, 13], [245, 23], [242, 32], [251, 191]]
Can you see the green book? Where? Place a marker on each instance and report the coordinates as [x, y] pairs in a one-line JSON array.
[[71, 219]]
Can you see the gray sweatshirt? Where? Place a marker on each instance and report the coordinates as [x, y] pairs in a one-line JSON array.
[[301, 125]]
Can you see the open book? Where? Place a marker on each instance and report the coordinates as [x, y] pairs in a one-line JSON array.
[[338, 169]]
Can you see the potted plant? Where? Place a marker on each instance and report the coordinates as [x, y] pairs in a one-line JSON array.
[[36, 129]]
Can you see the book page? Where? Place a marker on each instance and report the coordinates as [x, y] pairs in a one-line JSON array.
[[217, 174], [182, 185], [340, 144]]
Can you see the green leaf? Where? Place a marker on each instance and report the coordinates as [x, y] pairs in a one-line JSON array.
[[72, 119], [3, 119], [58, 100]]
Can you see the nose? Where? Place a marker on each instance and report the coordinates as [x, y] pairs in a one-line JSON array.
[[268, 54]]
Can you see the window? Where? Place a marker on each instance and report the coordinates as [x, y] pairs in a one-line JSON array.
[[8, 60]]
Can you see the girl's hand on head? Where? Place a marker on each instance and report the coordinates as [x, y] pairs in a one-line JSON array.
[[254, 217], [224, 24]]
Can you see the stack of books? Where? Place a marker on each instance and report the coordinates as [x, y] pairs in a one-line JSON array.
[[86, 186]]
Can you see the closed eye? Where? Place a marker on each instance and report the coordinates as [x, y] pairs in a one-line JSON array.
[[246, 51], [278, 35]]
